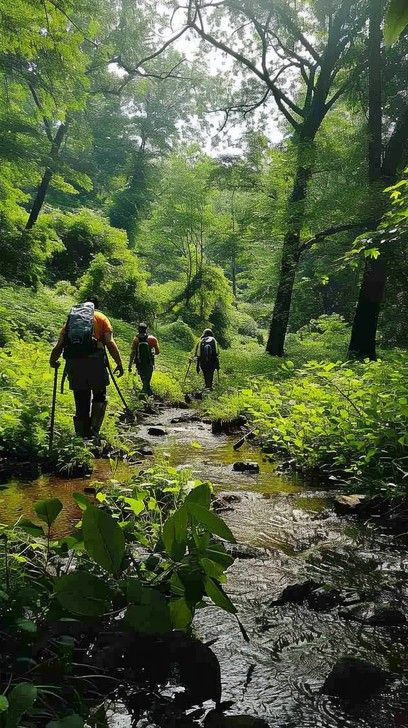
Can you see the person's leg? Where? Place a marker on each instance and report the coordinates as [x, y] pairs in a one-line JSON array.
[[99, 403], [82, 409], [208, 377], [146, 376]]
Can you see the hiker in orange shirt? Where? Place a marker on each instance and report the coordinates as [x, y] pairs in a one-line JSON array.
[[82, 342], [144, 348]]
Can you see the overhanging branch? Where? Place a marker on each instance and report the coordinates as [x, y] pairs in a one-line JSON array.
[[334, 230]]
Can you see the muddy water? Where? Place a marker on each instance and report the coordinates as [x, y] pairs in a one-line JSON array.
[[278, 675]]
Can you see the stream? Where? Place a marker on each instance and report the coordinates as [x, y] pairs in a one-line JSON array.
[[290, 533]]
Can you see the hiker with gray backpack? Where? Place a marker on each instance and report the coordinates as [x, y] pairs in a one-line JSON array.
[[144, 349], [207, 357], [82, 343]]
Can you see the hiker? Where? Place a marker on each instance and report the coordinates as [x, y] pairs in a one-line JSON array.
[[206, 355], [82, 342], [144, 348]]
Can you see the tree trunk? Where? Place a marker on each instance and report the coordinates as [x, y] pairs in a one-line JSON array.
[[46, 179], [291, 250], [371, 295]]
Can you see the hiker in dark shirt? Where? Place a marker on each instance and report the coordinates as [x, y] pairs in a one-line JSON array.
[[206, 355], [144, 348]]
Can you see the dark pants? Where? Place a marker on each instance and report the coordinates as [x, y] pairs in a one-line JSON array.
[[88, 420], [208, 377], [145, 374]]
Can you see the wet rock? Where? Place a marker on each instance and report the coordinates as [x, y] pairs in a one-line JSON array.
[[246, 466], [382, 615], [186, 418], [157, 431], [188, 398], [296, 593], [90, 490], [215, 719], [345, 505], [146, 451], [243, 551], [228, 426], [355, 679], [224, 501], [323, 599]]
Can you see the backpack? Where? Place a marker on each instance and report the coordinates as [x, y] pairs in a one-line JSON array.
[[208, 353], [79, 337], [144, 356]]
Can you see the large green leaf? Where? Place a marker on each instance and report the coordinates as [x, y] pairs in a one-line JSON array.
[[82, 593], [201, 494], [48, 509], [180, 613], [151, 615], [396, 20], [70, 721], [103, 538], [30, 527], [218, 596], [81, 500], [4, 703], [21, 700], [213, 523], [174, 534], [216, 552]]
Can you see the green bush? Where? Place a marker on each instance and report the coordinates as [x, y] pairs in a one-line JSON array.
[[84, 235], [25, 253], [324, 338], [244, 324], [120, 286], [179, 333]]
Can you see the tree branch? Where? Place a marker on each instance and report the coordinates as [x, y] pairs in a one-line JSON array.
[[363, 224]]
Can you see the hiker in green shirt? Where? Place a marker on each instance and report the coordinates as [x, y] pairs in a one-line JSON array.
[[144, 348]]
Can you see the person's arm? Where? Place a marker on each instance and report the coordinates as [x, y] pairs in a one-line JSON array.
[[155, 345], [57, 351], [114, 352]]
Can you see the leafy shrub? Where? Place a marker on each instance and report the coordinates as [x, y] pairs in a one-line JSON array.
[[84, 234], [324, 338], [65, 288], [244, 324], [113, 587], [120, 286], [25, 253], [180, 333], [350, 420]]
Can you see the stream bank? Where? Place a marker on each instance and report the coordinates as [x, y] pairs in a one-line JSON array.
[[291, 534]]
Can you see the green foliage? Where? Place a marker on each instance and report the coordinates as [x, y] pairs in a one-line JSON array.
[[84, 234], [396, 20], [179, 333], [109, 581]]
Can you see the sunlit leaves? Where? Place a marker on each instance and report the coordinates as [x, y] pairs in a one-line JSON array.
[[103, 538]]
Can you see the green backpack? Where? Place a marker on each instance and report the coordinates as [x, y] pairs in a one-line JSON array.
[[144, 356]]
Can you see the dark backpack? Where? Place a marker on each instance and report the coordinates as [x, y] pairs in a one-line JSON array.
[[144, 356], [79, 337], [208, 352]]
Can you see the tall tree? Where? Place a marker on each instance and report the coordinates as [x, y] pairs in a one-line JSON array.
[[299, 55], [383, 165]]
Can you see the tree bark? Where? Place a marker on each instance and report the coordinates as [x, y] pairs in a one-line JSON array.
[[364, 329], [291, 250], [46, 179]]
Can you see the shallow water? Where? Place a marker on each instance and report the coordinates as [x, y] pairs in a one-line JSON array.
[[277, 675]]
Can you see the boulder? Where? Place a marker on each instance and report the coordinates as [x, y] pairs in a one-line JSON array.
[[146, 451], [355, 679], [224, 501], [157, 431], [345, 505], [323, 599], [296, 593], [247, 466], [376, 615]]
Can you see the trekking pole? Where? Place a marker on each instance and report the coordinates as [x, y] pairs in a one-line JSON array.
[[109, 368], [52, 420], [188, 369]]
